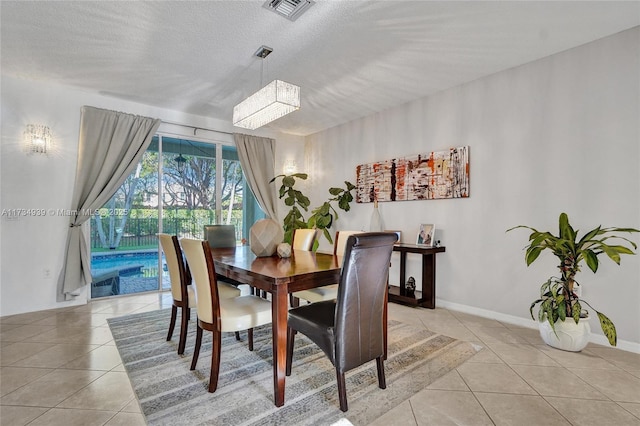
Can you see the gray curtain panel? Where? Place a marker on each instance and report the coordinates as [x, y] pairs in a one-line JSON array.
[[110, 146], [257, 158]]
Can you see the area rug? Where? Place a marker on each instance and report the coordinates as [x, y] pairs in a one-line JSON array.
[[170, 394]]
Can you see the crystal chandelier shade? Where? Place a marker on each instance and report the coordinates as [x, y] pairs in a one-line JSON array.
[[273, 101]]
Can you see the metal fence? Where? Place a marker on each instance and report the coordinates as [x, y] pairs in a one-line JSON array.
[[140, 232]]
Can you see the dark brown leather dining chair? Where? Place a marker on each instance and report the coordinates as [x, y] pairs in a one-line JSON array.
[[327, 292], [350, 330]]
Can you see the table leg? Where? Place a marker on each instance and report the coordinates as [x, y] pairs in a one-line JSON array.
[[279, 311], [403, 273], [429, 281]]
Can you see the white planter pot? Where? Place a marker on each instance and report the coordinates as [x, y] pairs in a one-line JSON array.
[[569, 336]]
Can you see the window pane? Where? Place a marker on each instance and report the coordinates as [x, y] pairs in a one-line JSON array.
[[124, 253], [188, 186], [232, 185]]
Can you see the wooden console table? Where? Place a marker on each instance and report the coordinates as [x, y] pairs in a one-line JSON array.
[[427, 297]]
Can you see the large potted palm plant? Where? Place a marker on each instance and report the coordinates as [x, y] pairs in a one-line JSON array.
[[562, 318]]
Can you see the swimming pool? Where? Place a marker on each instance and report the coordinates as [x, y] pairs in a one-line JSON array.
[[146, 261], [116, 273]]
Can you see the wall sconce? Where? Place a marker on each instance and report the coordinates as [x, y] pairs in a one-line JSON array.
[[37, 139], [289, 167]]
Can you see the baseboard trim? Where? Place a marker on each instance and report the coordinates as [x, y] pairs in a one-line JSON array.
[[599, 339]]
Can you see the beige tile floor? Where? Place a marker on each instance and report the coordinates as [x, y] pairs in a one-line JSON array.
[[61, 367]]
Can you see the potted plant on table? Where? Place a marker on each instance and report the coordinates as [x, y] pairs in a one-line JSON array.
[[322, 217], [558, 299], [294, 199]]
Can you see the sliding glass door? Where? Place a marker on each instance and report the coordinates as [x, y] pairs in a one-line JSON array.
[[179, 187], [202, 184]]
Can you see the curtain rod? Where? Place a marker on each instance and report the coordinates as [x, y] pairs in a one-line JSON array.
[[195, 128]]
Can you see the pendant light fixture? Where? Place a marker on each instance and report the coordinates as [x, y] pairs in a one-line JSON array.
[[273, 101], [180, 160]]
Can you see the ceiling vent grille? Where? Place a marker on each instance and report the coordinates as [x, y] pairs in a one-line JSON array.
[[290, 9]]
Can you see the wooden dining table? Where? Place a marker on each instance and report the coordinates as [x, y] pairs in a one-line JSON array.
[[278, 276]]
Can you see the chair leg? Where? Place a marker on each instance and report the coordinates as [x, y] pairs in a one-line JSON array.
[[237, 335], [196, 350], [342, 391], [215, 361], [294, 301], [250, 338], [382, 383], [172, 322], [183, 330], [291, 334]]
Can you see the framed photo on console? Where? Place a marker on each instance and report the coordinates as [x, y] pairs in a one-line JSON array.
[[426, 234]]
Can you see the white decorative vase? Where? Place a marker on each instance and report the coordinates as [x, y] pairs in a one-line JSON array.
[[569, 336], [375, 225], [264, 237], [284, 250]]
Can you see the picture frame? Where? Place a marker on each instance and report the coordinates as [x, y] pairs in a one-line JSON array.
[[426, 235]]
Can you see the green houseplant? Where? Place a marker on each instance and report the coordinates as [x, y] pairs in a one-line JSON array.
[[322, 217], [558, 300]]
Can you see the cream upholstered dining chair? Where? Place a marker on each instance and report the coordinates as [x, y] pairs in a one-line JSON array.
[[350, 330], [217, 314], [328, 292], [181, 290], [223, 236], [303, 239]]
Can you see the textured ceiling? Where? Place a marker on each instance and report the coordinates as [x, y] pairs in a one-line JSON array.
[[351, 58]]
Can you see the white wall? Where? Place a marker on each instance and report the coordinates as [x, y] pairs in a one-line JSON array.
[[559, 134], [31, 246]]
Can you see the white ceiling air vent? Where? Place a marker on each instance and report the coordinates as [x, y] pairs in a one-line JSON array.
[[290, 9]]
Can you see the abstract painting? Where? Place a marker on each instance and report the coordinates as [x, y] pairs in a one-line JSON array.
[[440, 174]]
